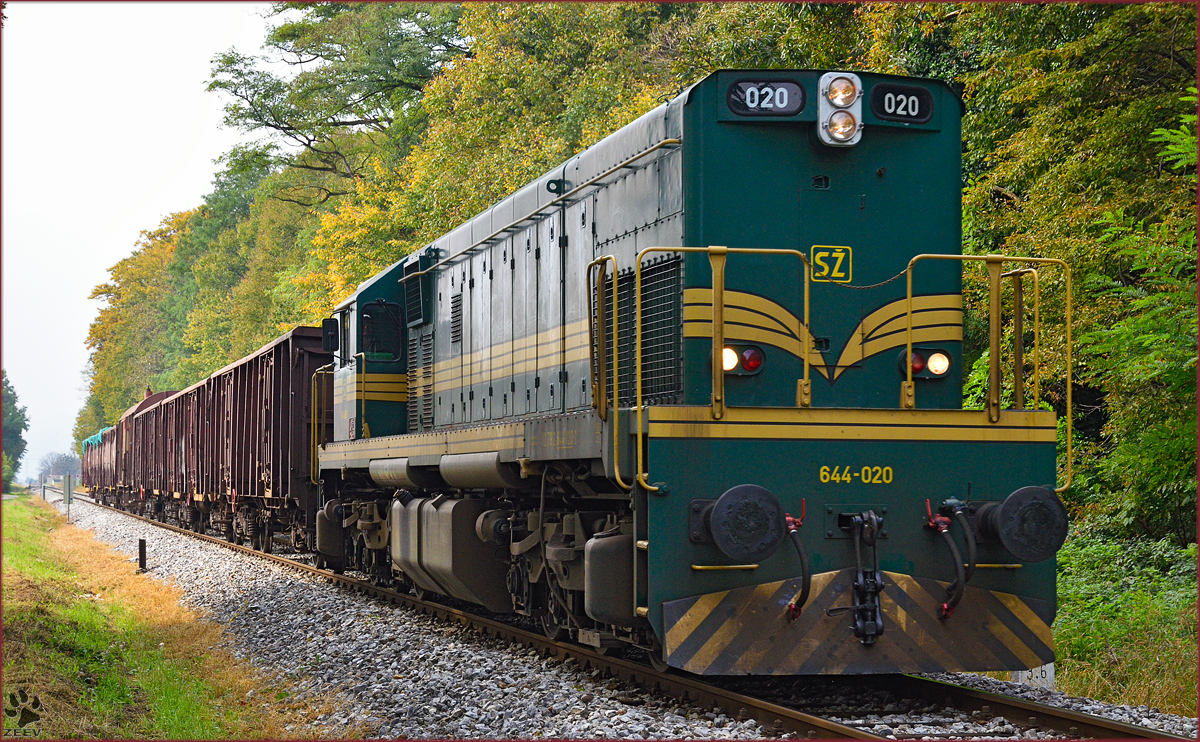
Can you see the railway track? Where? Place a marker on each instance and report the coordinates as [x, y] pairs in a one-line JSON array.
[[776, 718]]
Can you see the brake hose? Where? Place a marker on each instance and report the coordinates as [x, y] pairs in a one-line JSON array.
[[793, 527], [959, 586], [969, 534], [941, 524]]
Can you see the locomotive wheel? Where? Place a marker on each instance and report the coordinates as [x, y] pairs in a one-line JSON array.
[[551, 627]]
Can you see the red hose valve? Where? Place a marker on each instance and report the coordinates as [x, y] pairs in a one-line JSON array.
[[793, 524], [939, 523], [947, 611], [793, 611]]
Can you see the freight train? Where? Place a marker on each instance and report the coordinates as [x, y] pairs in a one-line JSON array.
[[697, 390]]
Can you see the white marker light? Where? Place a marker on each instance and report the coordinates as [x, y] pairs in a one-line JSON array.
[[938, 364], [729, 359]]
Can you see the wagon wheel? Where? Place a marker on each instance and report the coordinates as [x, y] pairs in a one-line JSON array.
[[655, 655], [554, 618], [264, 539]]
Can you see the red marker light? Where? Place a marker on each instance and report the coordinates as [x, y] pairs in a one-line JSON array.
[[752, 359], [918, 363]]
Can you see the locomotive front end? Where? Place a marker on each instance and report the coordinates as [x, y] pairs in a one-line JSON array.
[[816, 499]]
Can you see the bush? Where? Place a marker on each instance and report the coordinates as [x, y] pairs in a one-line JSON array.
[[1126, 626]]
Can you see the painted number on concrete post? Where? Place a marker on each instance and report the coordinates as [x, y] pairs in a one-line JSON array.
[[1041, 677]]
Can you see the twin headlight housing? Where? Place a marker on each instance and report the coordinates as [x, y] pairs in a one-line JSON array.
[[839, 109]]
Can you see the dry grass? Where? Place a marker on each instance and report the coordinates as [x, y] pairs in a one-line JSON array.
[[80, 581], [1155, 667]]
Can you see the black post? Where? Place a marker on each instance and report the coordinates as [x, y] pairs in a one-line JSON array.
[[141, 555]]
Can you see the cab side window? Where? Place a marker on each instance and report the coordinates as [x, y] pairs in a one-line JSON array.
[[381, 326]]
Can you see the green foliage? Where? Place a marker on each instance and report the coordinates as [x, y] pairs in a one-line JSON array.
[[1146, 363], [15, 423], [1181, 143]]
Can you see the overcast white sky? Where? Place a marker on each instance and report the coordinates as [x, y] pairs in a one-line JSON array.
[[106, 128]]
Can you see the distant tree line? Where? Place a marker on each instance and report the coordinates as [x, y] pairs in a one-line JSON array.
[[402, 120]]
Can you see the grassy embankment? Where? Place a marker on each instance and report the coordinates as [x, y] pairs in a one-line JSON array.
[[1126, 626], [112, 654]]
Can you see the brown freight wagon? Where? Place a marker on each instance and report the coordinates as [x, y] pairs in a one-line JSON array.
[[231, 452]]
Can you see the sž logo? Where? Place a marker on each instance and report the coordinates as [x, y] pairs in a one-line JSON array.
[[831, 264]]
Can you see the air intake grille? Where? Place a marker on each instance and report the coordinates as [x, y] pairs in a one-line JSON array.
[[412, 300], [662, 335], [456, 318]]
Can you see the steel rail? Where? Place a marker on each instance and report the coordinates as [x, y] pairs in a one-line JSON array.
[[1017, 711], [775, 719]]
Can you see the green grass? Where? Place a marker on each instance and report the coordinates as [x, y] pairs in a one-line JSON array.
[[110, 653], [1126, 627]]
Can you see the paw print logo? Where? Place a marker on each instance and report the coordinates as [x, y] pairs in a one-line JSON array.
[[23, 708]]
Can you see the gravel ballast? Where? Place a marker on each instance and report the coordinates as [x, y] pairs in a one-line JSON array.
[[395, 672]]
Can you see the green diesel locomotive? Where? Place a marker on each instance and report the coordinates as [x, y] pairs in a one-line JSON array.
[[699, 390]]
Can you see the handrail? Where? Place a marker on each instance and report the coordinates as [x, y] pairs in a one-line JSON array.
[[317, 418], [540, 209], [1019, 334], [994, 264], [599, 356], [716, 255]]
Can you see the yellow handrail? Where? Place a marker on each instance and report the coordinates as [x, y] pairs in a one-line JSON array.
[[599, 383], [1018, 335], [317, 419], [716, 256], [994, 264]]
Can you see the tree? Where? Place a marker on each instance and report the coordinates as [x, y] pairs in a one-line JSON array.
[[359, 72], [15, 423], [59, 464], [130, 338], [10, 472]]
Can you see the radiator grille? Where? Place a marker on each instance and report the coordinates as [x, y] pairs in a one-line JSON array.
[[420, 381], [662, 334]]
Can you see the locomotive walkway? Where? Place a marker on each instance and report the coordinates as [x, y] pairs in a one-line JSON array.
[[1018, 718]]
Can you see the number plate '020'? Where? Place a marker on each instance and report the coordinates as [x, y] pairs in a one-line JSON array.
[[904, 103], [765, 98]]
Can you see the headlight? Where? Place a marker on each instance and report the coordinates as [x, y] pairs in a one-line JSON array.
[[729, 359], [842, 126], [839, 109], [938, 363], [842, 92]]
